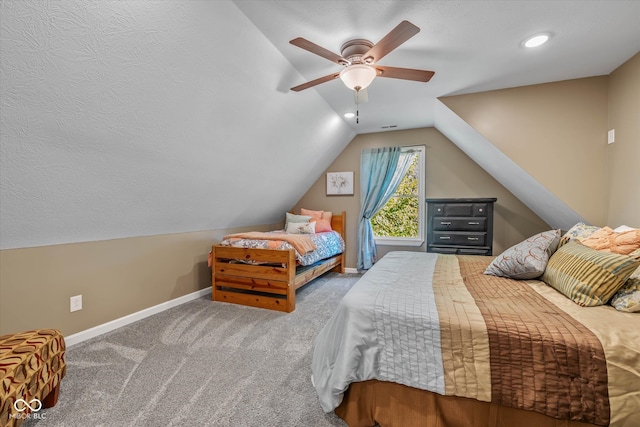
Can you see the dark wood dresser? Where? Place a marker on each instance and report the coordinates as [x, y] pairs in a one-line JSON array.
[[460, 226]]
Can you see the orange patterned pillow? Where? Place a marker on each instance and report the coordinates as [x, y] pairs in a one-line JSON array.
[[608, 240]]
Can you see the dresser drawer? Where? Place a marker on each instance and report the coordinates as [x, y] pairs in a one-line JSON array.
[[453, 209], [460, 209], [443, 249], [460, 224], [457, 250], [466, 251], [459, 238]]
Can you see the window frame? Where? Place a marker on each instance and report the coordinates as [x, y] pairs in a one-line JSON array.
[[412, 241]]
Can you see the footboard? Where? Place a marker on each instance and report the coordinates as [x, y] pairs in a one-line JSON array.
[[265, 286]]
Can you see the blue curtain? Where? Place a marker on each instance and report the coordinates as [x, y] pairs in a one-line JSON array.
[[381, 171]]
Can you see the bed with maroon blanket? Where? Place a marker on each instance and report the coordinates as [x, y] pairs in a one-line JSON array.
[[435, 323]]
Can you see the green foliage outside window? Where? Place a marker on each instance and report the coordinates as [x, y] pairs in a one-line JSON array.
[[399, 217]]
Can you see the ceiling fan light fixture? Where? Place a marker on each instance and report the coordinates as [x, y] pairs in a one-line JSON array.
[[358, 76]]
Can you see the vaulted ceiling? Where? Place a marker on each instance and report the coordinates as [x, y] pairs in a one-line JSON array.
[[472, 46]]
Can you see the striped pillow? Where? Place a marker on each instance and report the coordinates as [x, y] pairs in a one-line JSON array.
[[586, 276]]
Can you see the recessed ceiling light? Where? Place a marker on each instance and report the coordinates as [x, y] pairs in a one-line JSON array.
[[349, 115], [537, 40]]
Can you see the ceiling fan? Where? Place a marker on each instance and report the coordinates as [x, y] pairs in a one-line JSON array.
[[360, 57]]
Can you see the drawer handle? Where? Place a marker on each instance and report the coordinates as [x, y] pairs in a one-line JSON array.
[[474, 223], [444, 223], [445, 238], [472, 238]]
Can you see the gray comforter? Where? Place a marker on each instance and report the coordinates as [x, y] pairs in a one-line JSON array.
[[385, 328]]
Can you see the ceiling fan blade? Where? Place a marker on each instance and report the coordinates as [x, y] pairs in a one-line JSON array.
[[404, 73], [400, 34], [315, 82], [319, 50]]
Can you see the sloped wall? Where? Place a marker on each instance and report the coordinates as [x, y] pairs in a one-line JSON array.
[[539, 199], [556, 132], [138, 118]]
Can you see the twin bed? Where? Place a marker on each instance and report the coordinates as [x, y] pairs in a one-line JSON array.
[[267, 274]]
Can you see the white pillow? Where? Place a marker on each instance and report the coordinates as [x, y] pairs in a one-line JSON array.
[[289, 217], [624, 228], [301, 227]]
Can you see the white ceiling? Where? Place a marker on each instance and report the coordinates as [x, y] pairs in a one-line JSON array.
[[472, 46]]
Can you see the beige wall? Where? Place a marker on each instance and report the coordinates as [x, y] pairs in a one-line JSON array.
[[623, 156], [449, 173], [557, 132], [115, 278]]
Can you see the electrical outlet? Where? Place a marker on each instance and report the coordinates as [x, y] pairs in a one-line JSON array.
[[75, 303], [611, 136]]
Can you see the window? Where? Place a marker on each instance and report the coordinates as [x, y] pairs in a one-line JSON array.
[[401, 220]]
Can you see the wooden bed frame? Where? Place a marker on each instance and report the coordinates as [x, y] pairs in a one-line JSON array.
[[268, 286], [390, 404]]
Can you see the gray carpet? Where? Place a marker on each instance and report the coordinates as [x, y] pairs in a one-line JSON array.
[[203, 363]]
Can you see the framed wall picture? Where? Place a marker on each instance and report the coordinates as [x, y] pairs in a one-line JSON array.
[[339, 183]]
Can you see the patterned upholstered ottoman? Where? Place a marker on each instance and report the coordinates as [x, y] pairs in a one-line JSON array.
[[31, 367]]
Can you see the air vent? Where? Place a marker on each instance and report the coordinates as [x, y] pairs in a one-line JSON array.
[[389, 126]]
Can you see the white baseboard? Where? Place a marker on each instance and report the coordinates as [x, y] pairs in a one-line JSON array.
[[133, 317], [351, 270]]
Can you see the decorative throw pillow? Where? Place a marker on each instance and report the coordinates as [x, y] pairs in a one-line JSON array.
[[295, 218], [301, 227], [322, 225], [317, 214], [605, 239], [628, 297], [586, 276], [622, 228], [312, 214], [321, 218], [578, 231], [527, 259]]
